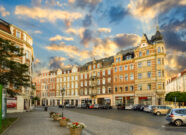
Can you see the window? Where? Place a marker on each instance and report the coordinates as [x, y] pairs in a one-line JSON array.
[[149, 74], [76, 77], [162, 49], [131, 76], [90, 67], [109, 90], [115, 78], [159, 50], [126, 77], [81, 84], [140, 54], [98, 65], [18, 34], [103, 72], [162, 60], [126, 67], [128, 57], [24, 36], [148, 63], [98, 81], [109, 80], [103, 81], [121, 77], [103, 90], [98, 90], [109, 72], [120, 68], [131, 66], [139, 64], [115, 69], [126, 88], [139, 75], [98, 74], [139, 86], [72, 78], [159, 73], [85, 76], [131, 88], [149, 86], [94, 66], [147, 52], [121, 89], [116, 59], [68, 78], [159, 85], [81, 76], [159, 61], [163, 73], [119, 59], [85, 83], [72, 85], [85, 91], [116, 89]]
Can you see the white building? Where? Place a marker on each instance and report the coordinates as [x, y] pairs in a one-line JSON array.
[[177, 83]]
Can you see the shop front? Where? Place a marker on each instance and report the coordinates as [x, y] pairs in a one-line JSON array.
[[146, 100]]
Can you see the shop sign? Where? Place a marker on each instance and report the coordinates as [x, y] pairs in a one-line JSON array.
[[11, 102], [118, 97], [141, 98]]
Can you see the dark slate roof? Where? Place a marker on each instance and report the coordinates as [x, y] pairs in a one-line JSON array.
[[104, 61], [130, 50], [158, 36]]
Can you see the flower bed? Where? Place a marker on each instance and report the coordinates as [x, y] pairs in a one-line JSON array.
[[76, 128]]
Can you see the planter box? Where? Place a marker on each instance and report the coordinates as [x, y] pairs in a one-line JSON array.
[[75, 131], [63, 123]]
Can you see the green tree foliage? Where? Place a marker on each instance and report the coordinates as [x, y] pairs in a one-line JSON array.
[[12, 72], [180, 96]]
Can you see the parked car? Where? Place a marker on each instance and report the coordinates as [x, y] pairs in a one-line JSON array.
[[128, 107], [148, 108], [69, 106], [85, 106], [121, 106], [177, 116], [78, 106], [97, 106], [61, 106], [160, 110], [91, 106], [137, 107], [106, 106]]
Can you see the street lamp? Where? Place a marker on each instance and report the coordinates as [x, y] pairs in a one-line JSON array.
[[62, 93]]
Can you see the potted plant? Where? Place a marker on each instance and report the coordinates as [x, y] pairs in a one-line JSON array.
[[76, 128], [56, 116], [51, 113], [63, 121]]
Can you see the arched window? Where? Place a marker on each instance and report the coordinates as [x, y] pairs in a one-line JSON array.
[[162, 49]]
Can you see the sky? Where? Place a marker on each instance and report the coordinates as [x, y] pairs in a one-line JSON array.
[[73, 32]]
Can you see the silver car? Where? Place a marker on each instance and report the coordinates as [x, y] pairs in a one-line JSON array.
[[177, 116]]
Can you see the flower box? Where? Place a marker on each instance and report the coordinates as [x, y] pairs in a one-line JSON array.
[[75, 131], [76, 128], [63, 121]]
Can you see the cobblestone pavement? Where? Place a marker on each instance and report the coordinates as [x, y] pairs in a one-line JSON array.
[[99, 125], [38, 123]]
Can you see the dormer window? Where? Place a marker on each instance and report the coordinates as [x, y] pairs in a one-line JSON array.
[[98, 65], [90, 67], [147, 52], [159, 50], [94, 66]]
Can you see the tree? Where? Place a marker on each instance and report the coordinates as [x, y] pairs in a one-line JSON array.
[[12, 73], [179, 96]]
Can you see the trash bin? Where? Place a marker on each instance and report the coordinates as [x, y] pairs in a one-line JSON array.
[[46, 108]]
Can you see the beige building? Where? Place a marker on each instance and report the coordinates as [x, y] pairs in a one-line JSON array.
[[22, 40], [149, 70], [69, 80]]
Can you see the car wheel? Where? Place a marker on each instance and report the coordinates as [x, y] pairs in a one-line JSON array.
[[158, 113], [178, 122]]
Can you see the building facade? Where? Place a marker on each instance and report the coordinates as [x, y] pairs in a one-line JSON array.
[[68, 79], [177, 83], [22, 40]]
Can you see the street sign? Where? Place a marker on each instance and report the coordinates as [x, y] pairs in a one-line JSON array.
[[1, 106]]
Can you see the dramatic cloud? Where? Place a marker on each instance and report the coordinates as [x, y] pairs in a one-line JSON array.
[[56, 62], [3, 11], [90, 4], [117, 13], [37, 32], [149, 9], [104, 48], [87, 21], [71, 51], [105, 30], [46, 14], [87, 37], [59, 37], [126, 40], [78, 32]]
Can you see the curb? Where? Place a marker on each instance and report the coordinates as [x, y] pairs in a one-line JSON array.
[[5, 131]]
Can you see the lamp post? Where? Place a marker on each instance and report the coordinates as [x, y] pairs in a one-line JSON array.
[[62, 93]]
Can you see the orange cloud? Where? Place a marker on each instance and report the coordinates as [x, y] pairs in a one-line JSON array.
[[59, 37], [46, 14], [74, 31], [3, 11], [105, 30]]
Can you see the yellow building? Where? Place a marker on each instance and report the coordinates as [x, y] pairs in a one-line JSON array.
[[149, 70], [69, 80], [22, 40]]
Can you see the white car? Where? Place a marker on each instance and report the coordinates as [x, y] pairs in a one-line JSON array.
[[148, 108], [128, 107]]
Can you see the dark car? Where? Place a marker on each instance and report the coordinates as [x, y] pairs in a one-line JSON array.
[[85, 106], [69, 106], [137, 107], [121, 106], [106, 106], [61, 106]]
